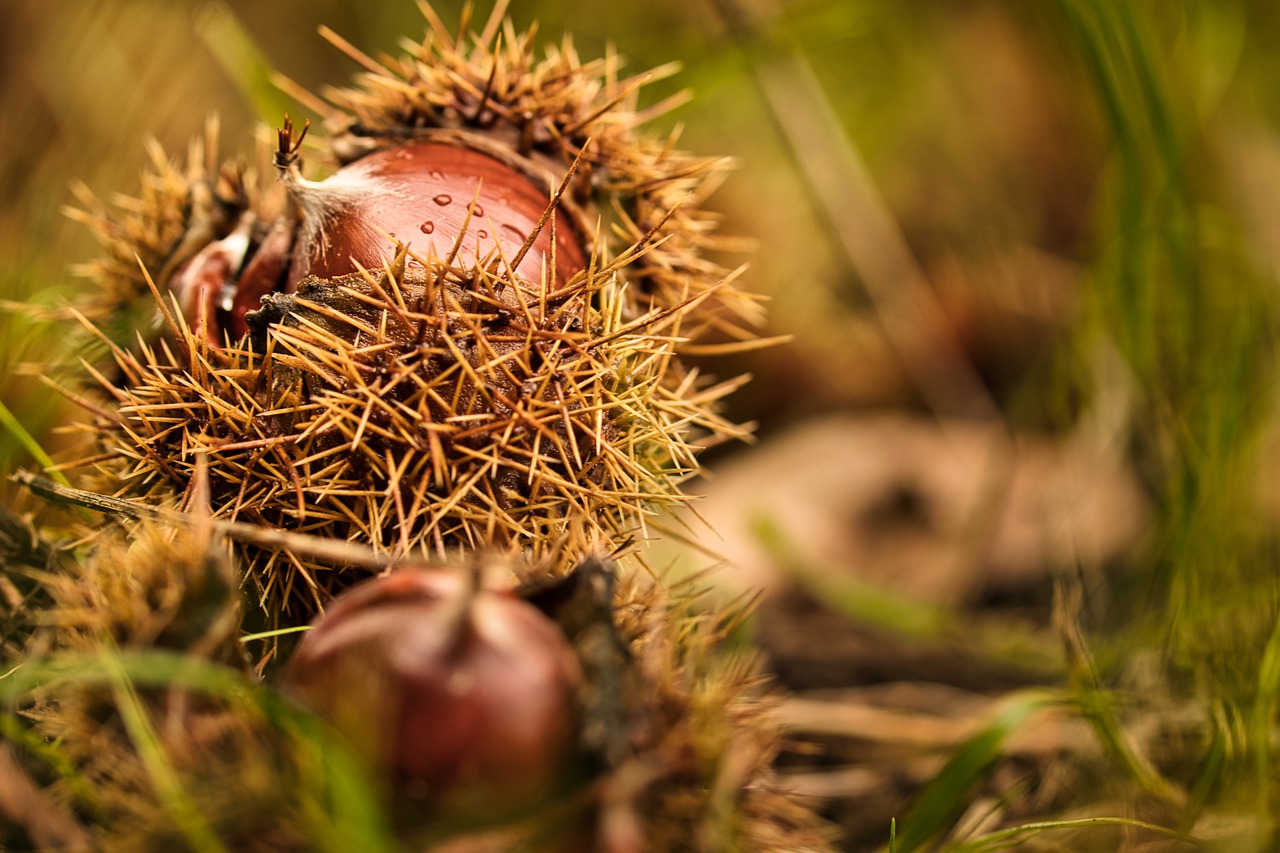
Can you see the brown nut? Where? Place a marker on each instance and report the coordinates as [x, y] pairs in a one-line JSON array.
[[466, 698], [421, 194]]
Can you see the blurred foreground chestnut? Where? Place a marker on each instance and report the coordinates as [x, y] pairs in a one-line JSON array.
[[464, 697]]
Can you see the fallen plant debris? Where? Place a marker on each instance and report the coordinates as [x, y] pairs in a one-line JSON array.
[[1021, 594], [374, 489]]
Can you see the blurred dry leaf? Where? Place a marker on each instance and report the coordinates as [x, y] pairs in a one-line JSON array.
[[947, 513]]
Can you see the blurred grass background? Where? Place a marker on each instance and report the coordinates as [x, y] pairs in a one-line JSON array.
[[1055, 223]]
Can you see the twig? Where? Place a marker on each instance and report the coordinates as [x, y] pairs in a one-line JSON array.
[[315, 547]]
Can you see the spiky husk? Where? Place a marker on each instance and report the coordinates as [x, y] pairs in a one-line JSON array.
[[162, 753], [543, 438], [24, 552], [419, 409], [159, 589], [182, 208], [166, 752], [698, 776]]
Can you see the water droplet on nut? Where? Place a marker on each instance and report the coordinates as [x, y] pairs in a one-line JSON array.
[[427, 227], [442, 199]]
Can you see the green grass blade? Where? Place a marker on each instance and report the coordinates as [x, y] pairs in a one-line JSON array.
[[943, 800], [1262, 719], [338, 800], [28, 442], [883, 608], [277, 632], [1006, 839], [164, 778], [862, 601]]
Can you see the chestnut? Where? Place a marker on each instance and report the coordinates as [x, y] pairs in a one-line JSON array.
[[464, 699], [424, 195]]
